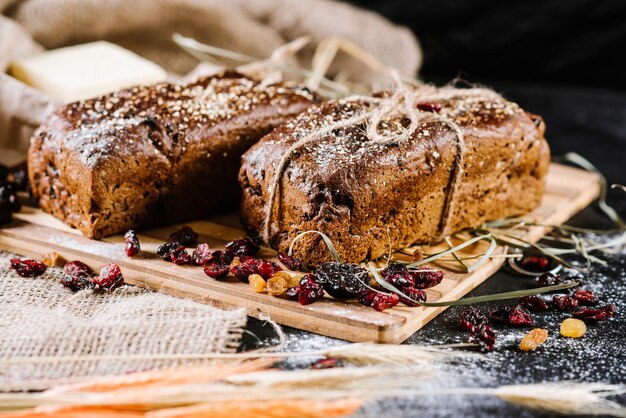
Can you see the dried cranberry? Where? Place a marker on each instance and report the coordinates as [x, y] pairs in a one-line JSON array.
[[471, 318], [366, 297], [484, 337], [28, 268], [132, 243], [164, 250], [326, 363], [520, 317], [242, 272], [184, 236], [595, 314], [429, 107], [289, 261], [425, 279], [293, 292], [534, 262], [564, 303], [533, 303], [76, 283], [414, 296], [77, 268], [398, 275], [500, 314], [216, 270], [202, 255], [549, 279], [309, 290], [242, 247], [180, 256], [266, 269], [110, 278], [342, 280], [384, 301], [586, 297]]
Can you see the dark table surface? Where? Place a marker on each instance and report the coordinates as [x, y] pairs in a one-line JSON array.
[[592, 123]]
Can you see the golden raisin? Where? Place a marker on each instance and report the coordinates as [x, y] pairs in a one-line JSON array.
[[277, 286], [256, 283], [293, 279], [533, 339], [573, 328], [53, 259]]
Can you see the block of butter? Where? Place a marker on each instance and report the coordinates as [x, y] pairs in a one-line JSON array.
[[84, 71]]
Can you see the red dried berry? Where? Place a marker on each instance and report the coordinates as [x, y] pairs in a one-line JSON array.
[[216, 270], [415, 296], [500, 314], [179, 256], [533, 303], [201, 255], [77, 268], [110, 278], [425, 279], [289, 261], [384, 301], [326, 363], [586, 297], [549, 279], [76, 283], [564, 303], [242, 247], [293, 292], [132, 243], [241, 272], [185, 236], [366, 297], [429, 107], [472, 318], [28, 268], [164, 250], [309, 290], [266, 269], [398, 275], [484, 336], [520, 317], [534, 262], [595, 314]]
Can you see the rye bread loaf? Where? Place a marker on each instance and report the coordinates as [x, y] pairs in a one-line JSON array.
[[156, 154], [471, 157]]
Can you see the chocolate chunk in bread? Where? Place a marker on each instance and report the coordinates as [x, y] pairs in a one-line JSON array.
[[151, 155], [469, 156]]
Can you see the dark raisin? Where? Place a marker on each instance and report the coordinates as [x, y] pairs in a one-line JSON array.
[[289, 261], [414, 296], [28, 268], [202, 255], [472, 318], [77, 268], [429, 107], [242, 247], [564, 303], [595, 314], [500, 314], [425, 279], [586, 297], [520, 317], [342, 280], [132, 243], [184, 236], [216, 270], [533, 303], [110, 278], [535, 263], [484, 337], [76, 283]]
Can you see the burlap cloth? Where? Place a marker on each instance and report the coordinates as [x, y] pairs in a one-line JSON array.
[[40, 317]]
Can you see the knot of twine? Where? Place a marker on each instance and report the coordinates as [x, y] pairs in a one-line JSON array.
[[402, 103]]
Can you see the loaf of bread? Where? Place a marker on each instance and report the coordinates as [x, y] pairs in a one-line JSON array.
[[152, 155], [371, 177]]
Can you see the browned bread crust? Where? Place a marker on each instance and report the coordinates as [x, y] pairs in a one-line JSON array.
[[369, 196], [154, 154]]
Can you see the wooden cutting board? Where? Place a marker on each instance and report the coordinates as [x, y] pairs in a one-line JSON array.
[[35, 233]]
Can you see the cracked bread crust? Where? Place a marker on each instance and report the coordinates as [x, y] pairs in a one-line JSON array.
[[369, 197], [152, 155]]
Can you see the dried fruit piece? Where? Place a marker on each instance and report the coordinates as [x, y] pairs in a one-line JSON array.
[[415, 295], [564, 303], [28, 268], [500, 314], [277, 286], [289, 261], [484, 337], [595, 314], [132, 243], [76, 283], [549, 279], [533, 303], [242, 247], [533, 339], [257, 284], [384, 301], [307, 292], [77, 268], [471, 318], [427, 278], [534, 262], [202, 255], [217, 270], [342, 280], [586, 297], [398, 275], [573, 328], [267, 268], [520, 317], [164, 250], [110, 278], [52, 259], [185, 236]]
